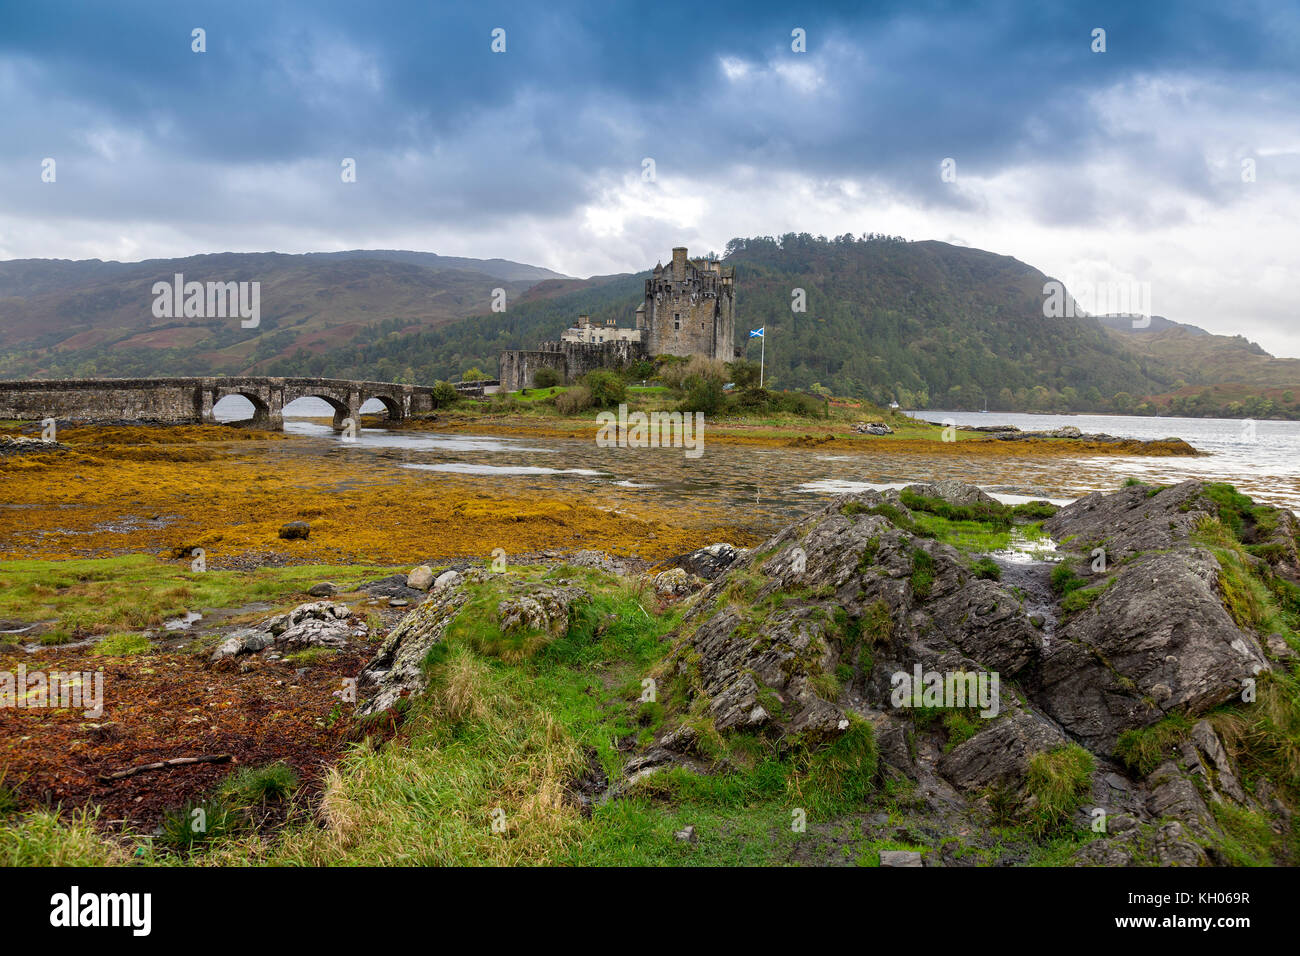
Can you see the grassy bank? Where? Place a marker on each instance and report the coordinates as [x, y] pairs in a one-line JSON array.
[[490, 762]]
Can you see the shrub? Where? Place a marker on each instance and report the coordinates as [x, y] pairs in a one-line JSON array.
[[677, 374], [639, 371], [744, 373], [605, 388], [703, 395], [576, 399], [987, 569], [1034, 510], [444, 394], [546, 377]]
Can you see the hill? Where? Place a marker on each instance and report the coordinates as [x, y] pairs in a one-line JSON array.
[[927, 324], [81, 318]]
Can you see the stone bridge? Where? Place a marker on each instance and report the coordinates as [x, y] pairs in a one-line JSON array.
[[191, 400]]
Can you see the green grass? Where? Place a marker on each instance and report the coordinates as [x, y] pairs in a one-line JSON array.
[[1059, 780], [922, 578], [253, 785], [123, 645], [51, 838], [96, 596], [1142, 749], [1064, 580], [534, 395], [1080, 598], [986, 569], [310, 656], [991, 513], [1246, 837]]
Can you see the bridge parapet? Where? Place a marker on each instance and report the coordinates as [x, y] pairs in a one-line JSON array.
[[192, 400]]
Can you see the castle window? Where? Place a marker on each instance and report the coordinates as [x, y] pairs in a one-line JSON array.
[[677, 320]]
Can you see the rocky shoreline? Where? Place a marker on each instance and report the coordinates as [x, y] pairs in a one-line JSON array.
[[1135, 688]]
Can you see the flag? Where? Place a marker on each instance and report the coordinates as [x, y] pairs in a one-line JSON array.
[[756, 333]]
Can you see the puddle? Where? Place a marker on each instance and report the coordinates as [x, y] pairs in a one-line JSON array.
[[466, 468], [182, 623], [1023, 549]]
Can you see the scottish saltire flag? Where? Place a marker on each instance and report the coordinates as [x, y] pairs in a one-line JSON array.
[[756, 333]]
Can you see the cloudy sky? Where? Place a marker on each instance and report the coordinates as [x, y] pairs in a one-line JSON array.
[[1117, 166]]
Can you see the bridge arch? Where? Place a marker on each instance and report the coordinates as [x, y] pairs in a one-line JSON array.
[[263, 414], [392, 406], [338, 406]]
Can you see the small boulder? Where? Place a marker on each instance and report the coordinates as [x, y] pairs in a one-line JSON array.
[[708, 563], [872, 428], [675, 582], [420, 578], [324, 589], [244, 641], [295, 530], [686, 835], [448, 579]]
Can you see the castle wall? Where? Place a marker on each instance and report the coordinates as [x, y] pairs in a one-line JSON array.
[[517, 367], [571, 359], [582, 358]]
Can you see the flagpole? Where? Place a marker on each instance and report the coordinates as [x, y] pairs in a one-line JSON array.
[[762, 356]]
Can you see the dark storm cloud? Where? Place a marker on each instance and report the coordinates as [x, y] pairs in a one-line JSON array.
[[442, 128]]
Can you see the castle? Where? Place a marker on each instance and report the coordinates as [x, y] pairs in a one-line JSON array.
[[689, 309]]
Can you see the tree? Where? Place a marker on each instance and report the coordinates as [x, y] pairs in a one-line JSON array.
[[472, 374], [444, 394], [607, 388], [744, 373], [546, 377], [703, 394]]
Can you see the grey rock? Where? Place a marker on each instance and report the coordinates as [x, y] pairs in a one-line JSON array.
[[900, 858], [238, 643], [315, 632], [675, 582], [708, 563], [1000, 753], [324, 589], [1158, 640], [686, 835], [1279, 649], [596, 560], [544, 608], [395, 672], [295, 530], [448, 579]]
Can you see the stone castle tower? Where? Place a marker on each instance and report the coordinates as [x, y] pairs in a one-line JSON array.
[[689, 309]]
